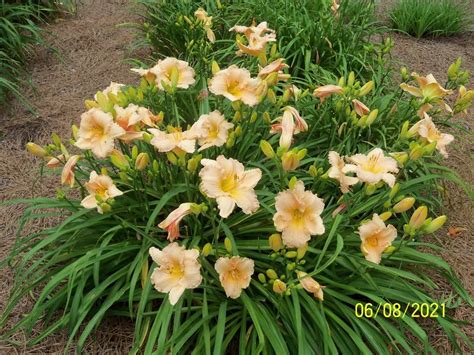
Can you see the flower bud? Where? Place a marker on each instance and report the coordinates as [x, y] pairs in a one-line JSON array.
[[230, 140], [155, 166], [267, 118], [364, 90], [75, 131], [418, 217], [351, 79], [416, 153], [370, 189], [35, 149], [123, 177], [105, 207], [400, 157], [228, 245], [430, 148], [291, 266], [389, 250], [290, 160], [301, 251], [394, 190], [215, 67], [172, 158], [237, 116], [193, 163], [262, 278], [404, 205], [279, 286], [372, 117], [236, 105], [292, 182], [291, 254], [147, 137], [267, 149], [238, 131], [271, 274], [253, 117], [271, 96], [134, 152], [275, 242], [404, 73], [313, 171], [206, 250], [119, 160], [435, 224], [142, 161], [385, 216]]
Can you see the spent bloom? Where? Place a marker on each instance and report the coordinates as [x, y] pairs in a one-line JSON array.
[[325, 91], [230, 184], [97, 132], [170, 71], [274, 67], [428, 131], [211, 130], [360, 108], [67, 175], [289, 124], [376, 237], [128, 118], [310, 285], [339, 170], [236, 84], [177, 141], [171, 223], [178, 269], [373, 167], [234, 274], [101, 188], [257, 38], [298, 215]]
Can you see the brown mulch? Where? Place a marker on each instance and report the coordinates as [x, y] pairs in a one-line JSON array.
[[92, 53], [93, 49]]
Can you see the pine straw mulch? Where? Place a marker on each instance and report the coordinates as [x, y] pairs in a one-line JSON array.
[[93, 49]]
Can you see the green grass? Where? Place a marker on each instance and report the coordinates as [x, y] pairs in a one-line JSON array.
[[423, 18]]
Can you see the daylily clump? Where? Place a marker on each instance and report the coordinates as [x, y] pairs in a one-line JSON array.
[[208, 185]]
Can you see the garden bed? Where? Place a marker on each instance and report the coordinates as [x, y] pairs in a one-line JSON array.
[[93, 49]]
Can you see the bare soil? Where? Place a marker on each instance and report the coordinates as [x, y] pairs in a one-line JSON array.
[[93, 50]]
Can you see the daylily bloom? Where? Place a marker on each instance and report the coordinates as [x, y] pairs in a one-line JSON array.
[[339, 170], [257, 38], [101, 188], [236, 84], [170, 71], [178, 269], [360, 108], [206, 20], [97, 132], [113, 88], [429, 90], [373, 167], [291, 123], [128, 118], [327, 90], [311, 285], [376, 237], [171, 223], [178, 142], [274, 67], [67, 175], [298, 215], [428, 131], [234, 274], [148, 118], [211, 130], [228, 182]]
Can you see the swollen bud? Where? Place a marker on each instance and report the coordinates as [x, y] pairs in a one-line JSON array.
[[279, 286], [267, 149], [271, 274], [275, 242], [215, 67], [206, 250], [364, 90], [385, 216], [404, 205], [435, 224], [119, 160], [418, 217], [35, 149], [142, 161]]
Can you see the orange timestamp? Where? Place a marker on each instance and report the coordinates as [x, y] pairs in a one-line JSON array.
[[397, 310]]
